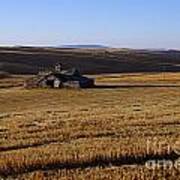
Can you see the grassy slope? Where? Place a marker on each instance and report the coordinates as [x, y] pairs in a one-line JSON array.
[[90, 61]]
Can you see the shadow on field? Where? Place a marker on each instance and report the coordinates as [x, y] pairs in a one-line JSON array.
[[136, 86], [96, 161]]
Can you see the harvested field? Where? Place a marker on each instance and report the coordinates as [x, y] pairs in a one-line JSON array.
[[107, 132]]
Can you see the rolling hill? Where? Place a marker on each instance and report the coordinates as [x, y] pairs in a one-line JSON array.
[[29, 60]]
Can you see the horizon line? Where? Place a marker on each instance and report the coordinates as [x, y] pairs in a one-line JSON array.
[[72, 46]]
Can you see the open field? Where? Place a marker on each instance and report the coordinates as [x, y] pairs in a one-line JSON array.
[[107, 132]]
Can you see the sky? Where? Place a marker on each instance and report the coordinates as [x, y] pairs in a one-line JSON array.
[[116, 23]]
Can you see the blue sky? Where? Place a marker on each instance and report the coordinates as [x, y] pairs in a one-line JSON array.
[[118, 23]]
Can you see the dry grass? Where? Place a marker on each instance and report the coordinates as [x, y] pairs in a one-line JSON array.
[[89, 134], [12, 81], [141, 78]]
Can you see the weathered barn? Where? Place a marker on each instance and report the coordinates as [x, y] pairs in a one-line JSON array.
[[59, 79]]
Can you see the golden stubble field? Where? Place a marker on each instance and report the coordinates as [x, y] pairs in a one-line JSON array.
[[108, 132]]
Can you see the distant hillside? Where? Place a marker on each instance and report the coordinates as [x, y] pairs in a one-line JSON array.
[[29, 60], [84, 46]]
